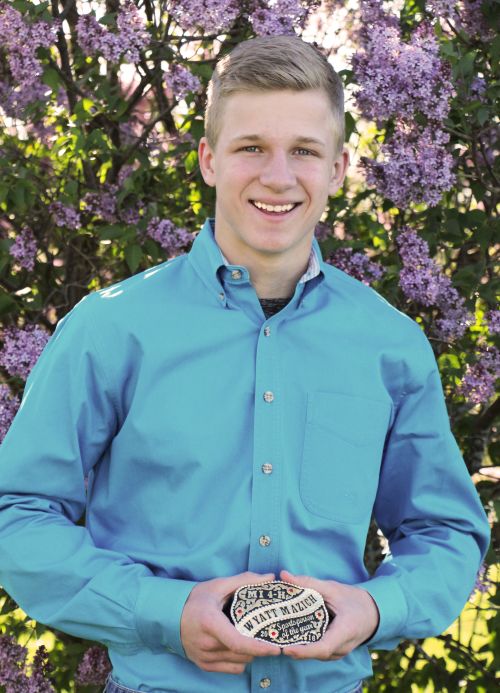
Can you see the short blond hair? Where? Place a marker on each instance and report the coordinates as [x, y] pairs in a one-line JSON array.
[[271, 63]]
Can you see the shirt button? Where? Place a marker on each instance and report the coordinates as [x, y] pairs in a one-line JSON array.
[[265, 683], [221, 296], [264, 540], [268, 396], [267, 331], [236, 274], [267, 468]]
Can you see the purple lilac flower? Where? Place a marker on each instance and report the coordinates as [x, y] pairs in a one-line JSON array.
[[180, 81], [357, 265], [478, 383], [398, 79], [455, 318], [125, 172], [93, 37], [103, 203], [24, 249], [493, 321], [211, 16], [420, 276], [130, 131], [322, 231], [13, 668], [65, 215], [93, 668], [131, 31], [416, 166], [483, 584], [171, 238], [21, 348], [12, 663], [43, 132], [9, 404], [464, 14], [478, 88], [132, 215], [271, 17], [131, 38], [39, 681], [489, 140], [422, 280], [20, 40]]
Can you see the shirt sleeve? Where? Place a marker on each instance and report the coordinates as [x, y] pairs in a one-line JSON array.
[[49, 564], [429, 510]]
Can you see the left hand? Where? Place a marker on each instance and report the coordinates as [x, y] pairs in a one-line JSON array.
[[356, 618]]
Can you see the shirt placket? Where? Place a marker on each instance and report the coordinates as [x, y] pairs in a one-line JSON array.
[[266, 483], [267, 471]]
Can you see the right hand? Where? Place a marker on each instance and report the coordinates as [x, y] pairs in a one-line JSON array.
[[209, 638]]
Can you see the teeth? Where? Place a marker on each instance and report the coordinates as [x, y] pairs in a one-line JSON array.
[[277, 208]]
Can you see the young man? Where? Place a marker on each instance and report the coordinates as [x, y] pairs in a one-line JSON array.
[[240, 412]]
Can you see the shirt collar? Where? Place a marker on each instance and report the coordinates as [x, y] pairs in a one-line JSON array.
[[207, 258], [311, 271]]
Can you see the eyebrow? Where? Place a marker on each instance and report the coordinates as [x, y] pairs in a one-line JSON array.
[[257, 138]]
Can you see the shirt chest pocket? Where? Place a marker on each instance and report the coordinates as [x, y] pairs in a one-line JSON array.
[[343, 445]]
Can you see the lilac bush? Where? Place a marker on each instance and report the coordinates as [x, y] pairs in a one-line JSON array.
[[94, 667], [101, 109], [16, 676]]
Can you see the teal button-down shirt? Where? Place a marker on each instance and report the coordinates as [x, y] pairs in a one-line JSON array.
[[169, 392]]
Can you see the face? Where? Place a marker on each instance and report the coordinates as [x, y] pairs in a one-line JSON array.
[[274, 148]]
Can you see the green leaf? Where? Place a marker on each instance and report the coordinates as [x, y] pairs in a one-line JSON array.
[[133, 256], [8, 606], [108, 19], [465, 66], [22, 6], [51, 78], [19, 195], [350, 125], [7, 303], [4, 191], [482, 115], [151, 248], [191, 161], [495, 48], [111, 232]]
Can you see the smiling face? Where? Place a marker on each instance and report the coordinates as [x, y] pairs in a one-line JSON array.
[[275, 148]]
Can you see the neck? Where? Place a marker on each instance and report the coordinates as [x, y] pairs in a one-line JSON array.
[[272, 275]]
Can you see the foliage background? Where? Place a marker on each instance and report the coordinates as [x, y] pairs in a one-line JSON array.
[[99, 122]]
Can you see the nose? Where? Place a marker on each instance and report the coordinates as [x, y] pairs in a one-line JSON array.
[[277, 172]]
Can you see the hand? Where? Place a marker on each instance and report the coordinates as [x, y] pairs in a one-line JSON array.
[[356, 618], [209, 638]]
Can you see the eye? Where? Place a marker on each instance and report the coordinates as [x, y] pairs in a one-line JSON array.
[[251, 147]]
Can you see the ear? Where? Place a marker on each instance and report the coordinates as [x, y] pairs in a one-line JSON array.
[[339, 169], [206, 160]]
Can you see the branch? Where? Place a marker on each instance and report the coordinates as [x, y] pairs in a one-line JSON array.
[[485, 420], [65, 72], [127, 153]]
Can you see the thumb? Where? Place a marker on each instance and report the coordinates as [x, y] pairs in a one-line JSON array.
[[303, 581]]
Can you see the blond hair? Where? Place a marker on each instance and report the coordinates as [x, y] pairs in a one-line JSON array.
[[270, 63]]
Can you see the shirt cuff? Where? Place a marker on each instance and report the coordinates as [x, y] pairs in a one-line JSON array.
[[158, 612], [392, 608]]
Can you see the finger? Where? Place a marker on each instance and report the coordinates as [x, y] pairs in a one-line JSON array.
[[310, 652], [223, 667], [226, 655], [307, 581], [335, 644], [243, 644]]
